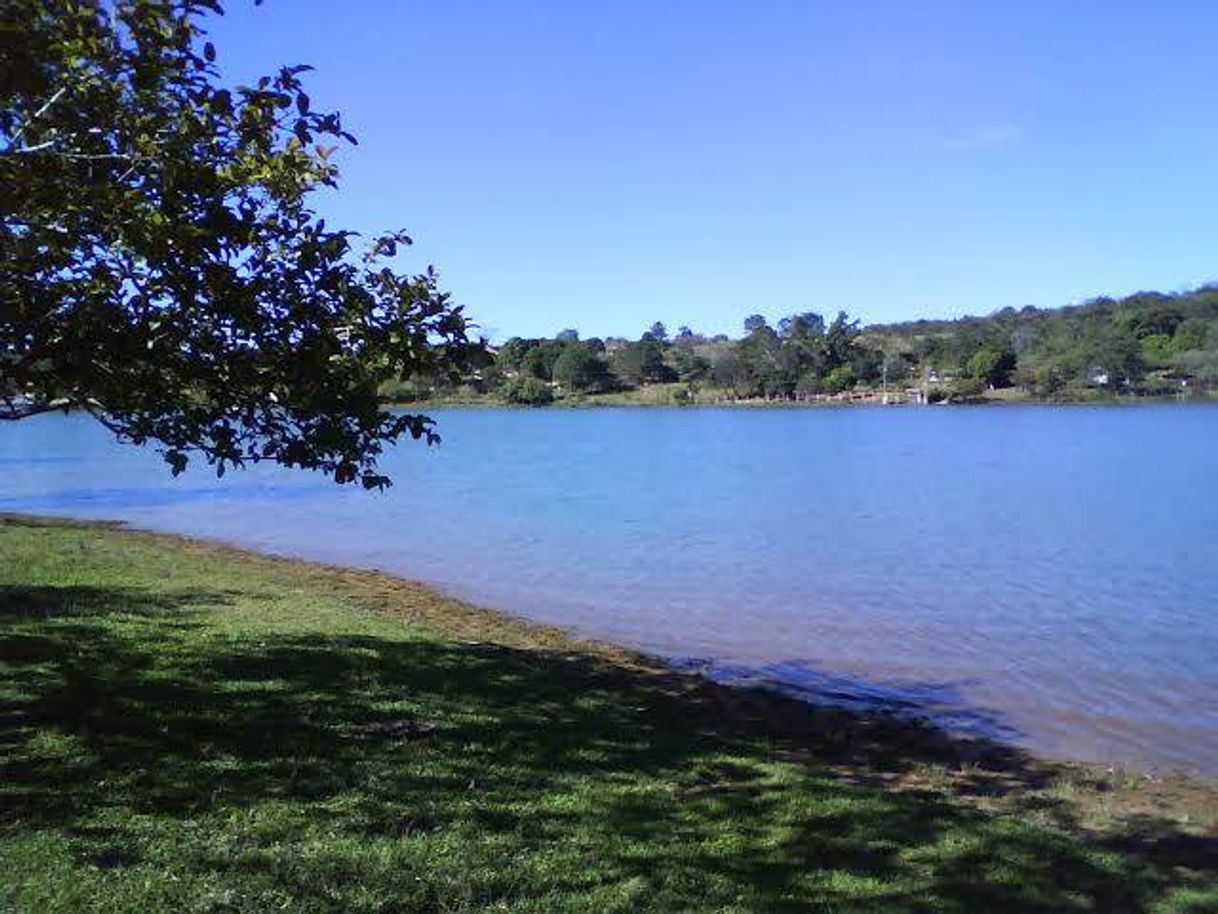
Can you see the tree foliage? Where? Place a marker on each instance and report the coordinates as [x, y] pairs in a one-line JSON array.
[[163, 267], [525, 390], [642, 362], [992, 365], [580, 369]]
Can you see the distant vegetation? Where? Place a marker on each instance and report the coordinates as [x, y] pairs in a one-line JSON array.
[[1148, 344]]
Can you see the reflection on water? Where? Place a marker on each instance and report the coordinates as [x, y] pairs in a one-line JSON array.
[[1052, 571]]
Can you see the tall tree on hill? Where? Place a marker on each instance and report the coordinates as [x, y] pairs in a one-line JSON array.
[[840, 340], [658, 332], [761, 355], [753, 323], [163, 269]]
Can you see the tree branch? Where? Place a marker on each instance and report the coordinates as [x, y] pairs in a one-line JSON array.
[[73, 156], [14, 409], [40, 112], [27, 150]]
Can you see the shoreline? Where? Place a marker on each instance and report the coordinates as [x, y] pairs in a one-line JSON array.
[[612, 401], [457, 617], [188, 721]]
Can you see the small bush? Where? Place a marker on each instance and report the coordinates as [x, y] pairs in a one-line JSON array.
[[527, 391], [967, 388], [839, 379]]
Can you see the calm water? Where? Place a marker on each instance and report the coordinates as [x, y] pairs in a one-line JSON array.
[[1049, 575]]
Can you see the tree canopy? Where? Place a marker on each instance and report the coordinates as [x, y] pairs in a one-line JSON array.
[[579, 368], [163, 267]]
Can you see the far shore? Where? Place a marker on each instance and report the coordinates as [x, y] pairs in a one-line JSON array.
[[672, 396]]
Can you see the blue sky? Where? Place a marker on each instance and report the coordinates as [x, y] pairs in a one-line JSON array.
[[602, 166]]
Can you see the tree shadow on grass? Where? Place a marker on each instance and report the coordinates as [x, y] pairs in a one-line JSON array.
[[663, 780], [60, 603]]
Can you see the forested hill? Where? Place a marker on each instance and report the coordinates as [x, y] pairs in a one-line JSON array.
[[1147, 344]]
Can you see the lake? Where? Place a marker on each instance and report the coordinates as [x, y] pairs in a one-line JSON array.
[[1046, 575]]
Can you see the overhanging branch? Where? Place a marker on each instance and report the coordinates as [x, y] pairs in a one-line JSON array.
[[13, 408]]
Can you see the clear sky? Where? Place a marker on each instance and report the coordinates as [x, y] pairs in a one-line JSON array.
[[605, 165]]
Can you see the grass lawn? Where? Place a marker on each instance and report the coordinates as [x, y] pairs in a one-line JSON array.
[[186, 727]]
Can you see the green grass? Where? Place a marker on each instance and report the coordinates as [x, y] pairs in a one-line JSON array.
[[646, 395], [185, 727]]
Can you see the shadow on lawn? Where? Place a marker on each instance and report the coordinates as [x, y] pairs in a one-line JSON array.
[[433, 736]]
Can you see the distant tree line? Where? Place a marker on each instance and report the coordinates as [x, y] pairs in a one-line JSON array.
[[1148, 343]]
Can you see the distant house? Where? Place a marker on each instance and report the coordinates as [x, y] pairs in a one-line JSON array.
[[1098, 376]]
